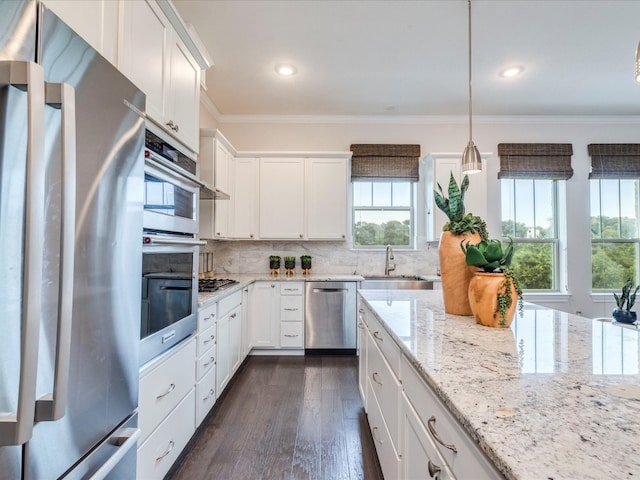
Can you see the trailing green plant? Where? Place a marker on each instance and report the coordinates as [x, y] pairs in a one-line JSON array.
[[492, 257], [626, 297], [453, 207]]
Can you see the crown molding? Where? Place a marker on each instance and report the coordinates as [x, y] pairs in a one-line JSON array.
[[426, 119], [210, 107]]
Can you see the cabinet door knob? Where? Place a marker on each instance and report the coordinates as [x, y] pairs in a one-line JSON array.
[[300, 235], [273, 286], [251, 235]]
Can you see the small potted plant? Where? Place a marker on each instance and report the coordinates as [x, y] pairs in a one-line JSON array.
[[274, 264], [624, 301], [460, 227], [289, 265], [494, 287], [305, 263]]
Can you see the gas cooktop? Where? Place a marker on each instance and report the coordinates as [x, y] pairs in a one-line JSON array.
[[214, 284]]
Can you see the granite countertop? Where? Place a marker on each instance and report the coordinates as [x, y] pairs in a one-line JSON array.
[[556, 396]]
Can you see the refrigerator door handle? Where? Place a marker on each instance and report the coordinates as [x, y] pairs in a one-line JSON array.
[[28, 76], [125, 442], [52, 406]]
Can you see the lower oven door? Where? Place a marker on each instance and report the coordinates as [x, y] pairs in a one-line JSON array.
[[169, 293]]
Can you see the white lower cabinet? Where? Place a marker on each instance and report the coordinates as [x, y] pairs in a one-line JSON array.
[[205, 395], [415, 435], [160, 450], [263, 322], [166, 409], [420, 458], [229, 339], [292, 335]]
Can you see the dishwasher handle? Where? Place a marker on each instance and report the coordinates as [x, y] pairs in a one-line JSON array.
[[330, 290]]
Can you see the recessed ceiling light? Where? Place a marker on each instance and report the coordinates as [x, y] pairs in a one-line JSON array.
[[511, 71], [286, 69]]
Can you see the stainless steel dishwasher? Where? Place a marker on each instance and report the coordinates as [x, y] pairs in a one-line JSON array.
[[330, 318]]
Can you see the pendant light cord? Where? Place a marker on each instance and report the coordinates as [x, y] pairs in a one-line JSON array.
[[470, 94]]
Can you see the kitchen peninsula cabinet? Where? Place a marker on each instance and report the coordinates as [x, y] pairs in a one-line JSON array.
[[154, 57]]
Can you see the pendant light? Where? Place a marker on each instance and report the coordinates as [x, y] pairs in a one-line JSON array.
[[471, 161]]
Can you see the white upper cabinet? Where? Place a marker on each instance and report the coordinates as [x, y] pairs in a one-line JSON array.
[[95, 21], [154, 57], [245, 198], [326, 192], [282, 198]]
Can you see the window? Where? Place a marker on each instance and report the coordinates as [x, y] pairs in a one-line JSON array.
[[529, 217], [383, 214], [614, 232]]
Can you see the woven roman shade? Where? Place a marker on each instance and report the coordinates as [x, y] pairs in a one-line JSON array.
[[614, 160], [535, 160], [385, 161]]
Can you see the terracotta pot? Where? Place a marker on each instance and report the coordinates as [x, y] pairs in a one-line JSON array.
[[455, 273], [483, 297]]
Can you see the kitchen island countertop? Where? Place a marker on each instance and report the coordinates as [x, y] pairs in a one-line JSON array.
[[556, 396]]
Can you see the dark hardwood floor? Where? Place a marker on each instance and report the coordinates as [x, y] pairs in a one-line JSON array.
[[285, 418]]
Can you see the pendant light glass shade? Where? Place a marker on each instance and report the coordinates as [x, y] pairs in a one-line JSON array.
[[638, 63], [471, 161]]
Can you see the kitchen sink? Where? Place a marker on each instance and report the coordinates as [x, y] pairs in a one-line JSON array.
[[385, 282]]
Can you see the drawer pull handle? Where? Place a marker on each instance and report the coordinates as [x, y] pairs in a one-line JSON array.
[[377, 336], [290, 289], [290, 336], [376, 378], [210, 339], [375, 437], [290, 309], [171, 388], [209, 362], [209, 395], [361, 310], [432, 431], [360, 324], [167, 451], [434, 470]]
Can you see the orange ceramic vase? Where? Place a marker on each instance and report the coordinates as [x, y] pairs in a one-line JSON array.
[[454, 272], [483, 298]]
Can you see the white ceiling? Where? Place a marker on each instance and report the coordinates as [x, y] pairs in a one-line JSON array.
[[396, 57]]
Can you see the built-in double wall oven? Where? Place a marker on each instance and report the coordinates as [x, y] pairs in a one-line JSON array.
[[170, 247]]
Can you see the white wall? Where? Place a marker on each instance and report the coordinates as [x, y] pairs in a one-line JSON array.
[[450, 135]]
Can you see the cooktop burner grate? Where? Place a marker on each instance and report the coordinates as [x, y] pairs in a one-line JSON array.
[[214, 284]]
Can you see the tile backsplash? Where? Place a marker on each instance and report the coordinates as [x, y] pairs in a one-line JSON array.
[[247, 257]]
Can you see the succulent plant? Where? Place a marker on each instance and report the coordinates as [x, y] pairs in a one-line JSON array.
[[289, 259], [626, 297], [453, 207], [488, 254], [274, 258]]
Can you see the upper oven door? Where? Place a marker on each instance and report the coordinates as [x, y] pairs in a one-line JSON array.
[[170, 200]]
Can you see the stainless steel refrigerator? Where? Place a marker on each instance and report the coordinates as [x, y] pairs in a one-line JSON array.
[[71, 181]]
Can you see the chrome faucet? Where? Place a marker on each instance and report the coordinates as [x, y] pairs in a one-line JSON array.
[[389, 256]]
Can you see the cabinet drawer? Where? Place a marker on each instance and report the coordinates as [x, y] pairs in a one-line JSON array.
[[292, 335], [385, 343], [207, 317], [387, 455], [291, 288], [206, 340], [158, 453], [291, 309], [162, 388], [205, 363], [205, 395], [468, 461], [228, 303], [386, 389]]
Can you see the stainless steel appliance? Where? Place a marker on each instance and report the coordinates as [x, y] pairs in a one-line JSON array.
[[171, 187], [169, 291], [330, 317], [215, 284], [71, 176]]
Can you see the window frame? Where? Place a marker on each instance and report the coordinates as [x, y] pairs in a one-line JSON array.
[[413, 186], [555, 241]]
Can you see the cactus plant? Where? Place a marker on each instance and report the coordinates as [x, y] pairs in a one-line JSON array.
[[453, 207], [626, 297], [488, 255]]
